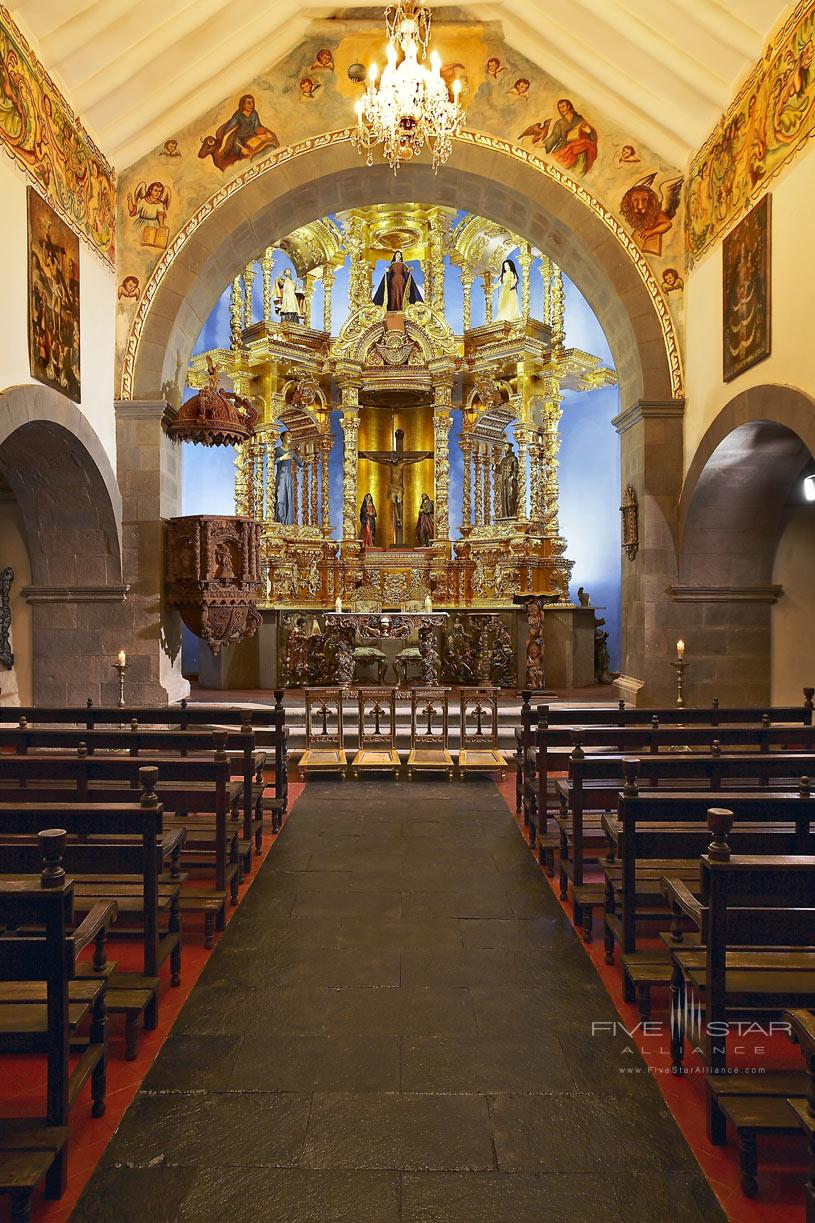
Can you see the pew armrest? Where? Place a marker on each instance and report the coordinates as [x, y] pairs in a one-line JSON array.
[[172, 840], [678, 893], [803, 1030], [102, 915]]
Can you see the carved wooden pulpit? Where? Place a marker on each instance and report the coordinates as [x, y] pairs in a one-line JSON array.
[[214, 577]]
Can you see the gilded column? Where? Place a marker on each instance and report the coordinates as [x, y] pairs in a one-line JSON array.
[[328, 285], [272, 437], [436, 244], [496, 483], [467, 289], [558, 323], [479, 485], [360, 280], [248, 281], [487, 484], [312, 514], [535, 478], [266, 264], [525, 260], [466, 486], [241, 497], [305, 474], [308, 292], [236, 314], [522, 438], [350, 428], [326, 442], [546, 276], [487, 278], [551, 446], [441, 465]]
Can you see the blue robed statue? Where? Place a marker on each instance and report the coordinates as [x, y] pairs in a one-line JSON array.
[[285, 508]]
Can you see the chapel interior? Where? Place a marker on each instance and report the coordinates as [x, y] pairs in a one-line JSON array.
[[407, 588]]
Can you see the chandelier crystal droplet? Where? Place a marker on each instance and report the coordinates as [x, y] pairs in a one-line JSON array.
[[408, 105]]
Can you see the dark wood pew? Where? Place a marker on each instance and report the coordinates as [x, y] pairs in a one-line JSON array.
[[268, 723], [186, 782], [580, 716], [113, 852], [802, 1030], [594, 783], [42, 968], [749, 906], [155, 741]]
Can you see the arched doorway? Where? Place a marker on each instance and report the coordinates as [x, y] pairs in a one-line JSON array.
[[69, 509], [742, 492], [327, 176]]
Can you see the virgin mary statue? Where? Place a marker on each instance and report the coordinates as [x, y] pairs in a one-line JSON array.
[[397, 286], [508, 308]]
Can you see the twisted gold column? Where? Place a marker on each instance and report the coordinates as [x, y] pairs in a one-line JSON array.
[[467, 289], [350, 428], [487, 279], [328, 285], [325, 507], [236, 315], [496, 483], [466, 485], [248, 281], [441, 473], [525, 260], [312, 512], [522, 438]]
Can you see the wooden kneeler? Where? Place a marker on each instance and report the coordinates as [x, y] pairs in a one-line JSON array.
[[429, 732], [377, 732], [325, 748]]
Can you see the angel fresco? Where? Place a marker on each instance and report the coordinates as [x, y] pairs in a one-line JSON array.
[[323, 61], [148, 205], [650, 214], [241, 138], [570, 140]]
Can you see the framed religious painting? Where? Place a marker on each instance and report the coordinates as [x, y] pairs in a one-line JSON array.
[[53, 299], [746, 291]]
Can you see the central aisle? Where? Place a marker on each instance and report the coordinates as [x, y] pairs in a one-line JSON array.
[[397, 1026]]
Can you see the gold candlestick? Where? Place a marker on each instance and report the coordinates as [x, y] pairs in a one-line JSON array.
[[679, 664], [120, 666]]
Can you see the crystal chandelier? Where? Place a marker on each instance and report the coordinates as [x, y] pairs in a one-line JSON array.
[[409, 105]]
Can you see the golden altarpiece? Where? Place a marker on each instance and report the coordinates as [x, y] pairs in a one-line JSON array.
[[396, 377]]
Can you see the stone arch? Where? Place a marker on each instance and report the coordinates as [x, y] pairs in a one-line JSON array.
[[731, 515], [72, 515], [325, 175]]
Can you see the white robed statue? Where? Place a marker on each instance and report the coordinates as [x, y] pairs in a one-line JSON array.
[[286, 298], [508, 308]]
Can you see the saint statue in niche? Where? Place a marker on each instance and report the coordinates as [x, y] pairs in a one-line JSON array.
[[287, 299], [425, 527], [508, 482], [284, 457], [508, 308], [397, 286], [367, 518]]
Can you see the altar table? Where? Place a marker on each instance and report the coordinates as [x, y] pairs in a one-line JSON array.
[[343, 628]]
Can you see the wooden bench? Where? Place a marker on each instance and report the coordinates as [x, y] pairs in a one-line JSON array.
[[758, 905], [114, 852], [40, 966], [594, 784], [268, 723], [802, 1025], [620, 716], [199, 782], [660, 833]]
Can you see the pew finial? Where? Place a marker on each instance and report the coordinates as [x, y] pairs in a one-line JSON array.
[[719, 821], [654, 722], [716, 747], [148, 780], [89, 702], [278, 696], [52, 842], [22, 722], [805, 787], [630, 770], [765, 720], [577, 749], [82, 750]]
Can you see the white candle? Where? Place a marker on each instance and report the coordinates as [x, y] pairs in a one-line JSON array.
[[680, 649], [338, 604], [122, 658], [428, 603]]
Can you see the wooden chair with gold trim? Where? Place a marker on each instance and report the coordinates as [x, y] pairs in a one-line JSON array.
[[429, 732], [478, 729], [377, 732], [325, 747]]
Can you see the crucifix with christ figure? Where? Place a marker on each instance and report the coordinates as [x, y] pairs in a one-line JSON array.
[[396, 461]]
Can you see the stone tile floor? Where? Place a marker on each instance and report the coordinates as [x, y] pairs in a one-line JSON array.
[[397, 1026]]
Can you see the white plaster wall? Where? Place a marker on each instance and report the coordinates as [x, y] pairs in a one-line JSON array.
[[97, 291], [793, 643], [15, 685], [792, 360]]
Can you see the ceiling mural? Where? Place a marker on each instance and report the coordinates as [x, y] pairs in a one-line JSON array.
[[771, 118], [41, 133], [312, 90]]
